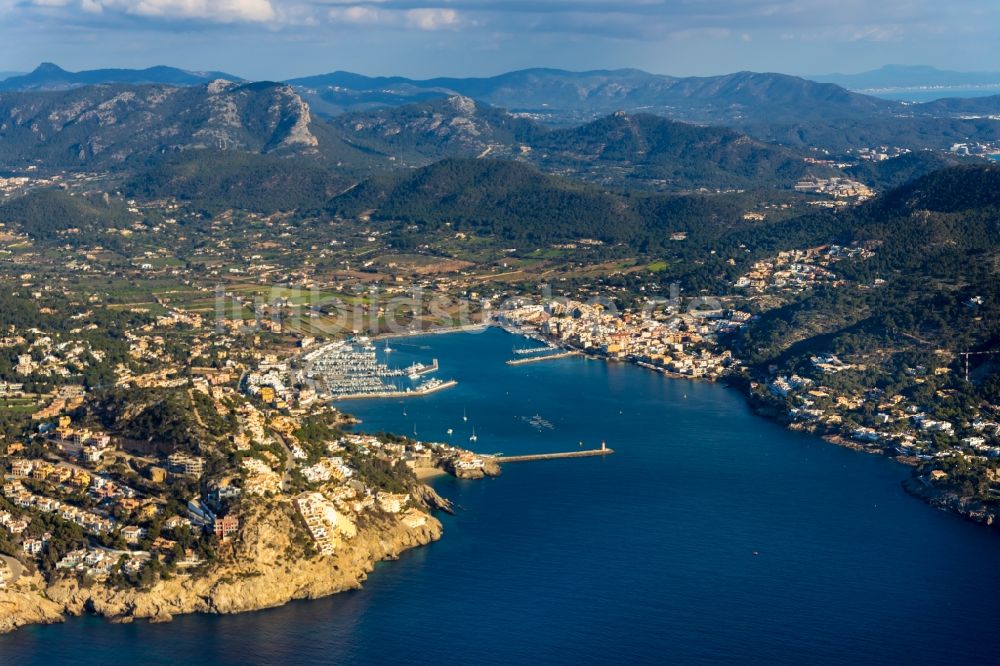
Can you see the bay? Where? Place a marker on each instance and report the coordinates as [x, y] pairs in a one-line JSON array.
[[711, 535]]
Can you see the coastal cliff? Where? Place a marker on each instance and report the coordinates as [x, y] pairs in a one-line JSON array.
[[948, 500], [24, 602], [489, 468], [264, 567]]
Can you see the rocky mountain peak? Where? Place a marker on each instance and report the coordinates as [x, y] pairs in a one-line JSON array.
[[219, 86], [463, 105]]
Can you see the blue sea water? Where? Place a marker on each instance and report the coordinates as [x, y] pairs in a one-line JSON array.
[[932, 94], [711, 535]]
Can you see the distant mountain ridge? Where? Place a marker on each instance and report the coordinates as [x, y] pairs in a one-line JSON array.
[[621, 148], [612, 127], [48, 76], [739, 98], [559, 94], [966, 106], [110, 125], [768, 106]]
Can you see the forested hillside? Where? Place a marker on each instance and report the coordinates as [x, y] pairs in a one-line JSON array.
[[933, 282]]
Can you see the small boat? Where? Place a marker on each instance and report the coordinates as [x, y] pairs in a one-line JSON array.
[[465, 417], [450, 431], [472, 437]]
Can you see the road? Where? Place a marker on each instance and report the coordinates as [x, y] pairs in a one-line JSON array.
[[15, 568], [286, 478]]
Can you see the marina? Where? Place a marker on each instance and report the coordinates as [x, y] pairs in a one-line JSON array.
[[432, 386], [352, 369]]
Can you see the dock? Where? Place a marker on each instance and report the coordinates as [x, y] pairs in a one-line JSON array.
[[534, 350], [546, 357], [589, 453], [413, 393], [418, 369]]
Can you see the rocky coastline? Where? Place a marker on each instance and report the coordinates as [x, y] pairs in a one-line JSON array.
[[490, 468], [264, 567], [952, 502]]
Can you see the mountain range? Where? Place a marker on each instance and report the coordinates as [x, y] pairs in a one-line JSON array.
[[48, 76], [740, 99], [782, 129], [548, 93], [109, 124], [116, 125], [562, 95], [641, 149]]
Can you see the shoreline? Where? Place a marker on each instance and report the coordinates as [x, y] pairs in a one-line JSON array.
[[425, 473], [254, 576], [252, 571], [264, 580], [938, 499], [444, 330]]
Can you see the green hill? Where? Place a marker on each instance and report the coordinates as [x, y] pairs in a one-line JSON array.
[[45, 214], [507, 200], [933, 282], [510, 202], [261, 183]]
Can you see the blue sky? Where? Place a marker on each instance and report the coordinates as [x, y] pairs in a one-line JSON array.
[[285, 38]]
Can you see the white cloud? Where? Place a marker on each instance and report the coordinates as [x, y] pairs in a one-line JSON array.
[[432, 18], [420, 18], [221, 11], [876, 33], [356, 14], [654, 21]]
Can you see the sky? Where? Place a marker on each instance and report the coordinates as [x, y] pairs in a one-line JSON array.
[[279, 39]]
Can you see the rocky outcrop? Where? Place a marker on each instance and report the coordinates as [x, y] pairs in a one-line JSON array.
[[266, 567], [101, 126], [490, 468], [429, 496], [24, 603], [947, 499]]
